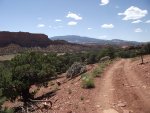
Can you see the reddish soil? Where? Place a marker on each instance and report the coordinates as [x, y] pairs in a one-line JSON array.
[[124, 87]]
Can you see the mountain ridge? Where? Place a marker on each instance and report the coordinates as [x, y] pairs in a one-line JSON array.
[[88, 40]]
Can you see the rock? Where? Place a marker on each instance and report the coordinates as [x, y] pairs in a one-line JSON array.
[[104, 58], [132, 85], [126, 111], [98, 106], [87, 101], [144, 87], [58, 83], [122, 105], [110, 111]]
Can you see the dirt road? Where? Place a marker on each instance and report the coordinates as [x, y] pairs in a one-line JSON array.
[[122, 90]]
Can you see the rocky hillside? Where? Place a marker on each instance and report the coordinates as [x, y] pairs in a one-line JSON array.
[[17, 42], [24, 39]]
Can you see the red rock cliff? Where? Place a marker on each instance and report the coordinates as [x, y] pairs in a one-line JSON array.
[[24, 39]]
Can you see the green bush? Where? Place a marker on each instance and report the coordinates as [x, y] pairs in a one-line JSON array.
[[97, 72], [87, 81]]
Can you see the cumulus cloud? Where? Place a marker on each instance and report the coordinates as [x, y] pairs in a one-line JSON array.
[[90, 28], [72, 23], [104, 2], [136, 21], [107, 26], [133, 13], [138, 30], [40, 25], [74, 16], [58, 20], [148, 22]]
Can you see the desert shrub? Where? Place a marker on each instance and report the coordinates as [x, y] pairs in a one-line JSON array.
[[109, 51], [91, 58], [127, 53], [76, 68], [26, 69], [87, 81], [97, 72], [147, 48]]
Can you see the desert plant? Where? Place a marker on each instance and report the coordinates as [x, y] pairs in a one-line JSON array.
[[81, 98], [87, 81], [76, 69], [69, 91], [97, 72]]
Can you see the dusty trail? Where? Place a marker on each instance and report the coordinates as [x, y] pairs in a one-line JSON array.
[[122, 90]]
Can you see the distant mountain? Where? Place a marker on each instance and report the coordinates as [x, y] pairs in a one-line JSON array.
[[87, 40]]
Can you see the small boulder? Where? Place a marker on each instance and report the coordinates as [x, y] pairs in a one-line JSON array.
[[122, 105], [104, 58], [110, 111]]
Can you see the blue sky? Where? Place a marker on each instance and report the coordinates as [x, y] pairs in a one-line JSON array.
[[103, 19]]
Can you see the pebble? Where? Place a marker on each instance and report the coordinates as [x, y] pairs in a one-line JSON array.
[[112, 89], [144, 87], [132, 86], [122, 105], [126, 111], [110, 111], [98, 106], [87, 101]]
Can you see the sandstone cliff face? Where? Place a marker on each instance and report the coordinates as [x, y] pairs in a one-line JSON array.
[[24, 39]]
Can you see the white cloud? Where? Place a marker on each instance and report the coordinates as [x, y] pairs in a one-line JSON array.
[[40, 25], [90, 28], [107, 26], [138, 30], [136, 21], [148, 22], [133, 13], [72, 23], [104, 2], [74, 16], [58, 20]]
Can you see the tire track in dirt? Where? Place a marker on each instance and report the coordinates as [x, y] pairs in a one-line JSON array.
[[122, 91], [138, 87], [105, 97]]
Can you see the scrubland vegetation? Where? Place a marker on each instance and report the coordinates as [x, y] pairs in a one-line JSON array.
[[34, 68]]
